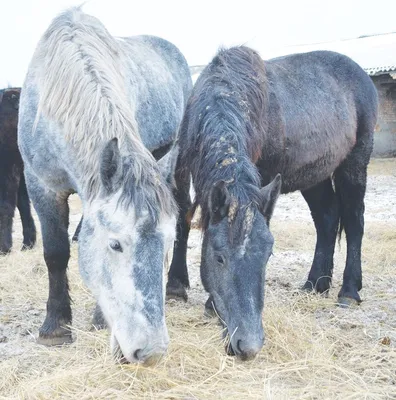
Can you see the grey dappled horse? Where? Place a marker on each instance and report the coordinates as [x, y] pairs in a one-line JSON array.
[[92, 109], [253, 129]]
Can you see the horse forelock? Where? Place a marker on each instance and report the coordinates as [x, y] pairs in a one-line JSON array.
[[225, 125], [242, 211], [149, 194], [81, 74]]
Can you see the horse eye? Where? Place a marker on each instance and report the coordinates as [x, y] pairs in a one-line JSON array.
[[115, 245], [220, 260]]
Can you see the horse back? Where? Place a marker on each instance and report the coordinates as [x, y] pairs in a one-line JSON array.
[[162, 89]]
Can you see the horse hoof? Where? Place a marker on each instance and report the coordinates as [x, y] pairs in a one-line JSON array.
[[98, 320], [308, 287], [320, 287], [180, 295], [5, 252], [209, 313], [26, 246], [55, 340], [176, 291], [346, 302], [97, 326]]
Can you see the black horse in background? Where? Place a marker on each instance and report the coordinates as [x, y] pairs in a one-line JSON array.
[[13, 192], [254, 129]]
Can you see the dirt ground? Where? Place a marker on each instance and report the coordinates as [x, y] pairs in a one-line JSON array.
[[313, 349]]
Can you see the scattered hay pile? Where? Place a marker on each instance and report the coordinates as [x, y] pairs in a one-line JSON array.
[[313, 349]]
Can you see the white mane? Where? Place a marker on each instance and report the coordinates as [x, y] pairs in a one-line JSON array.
[[81, 73]]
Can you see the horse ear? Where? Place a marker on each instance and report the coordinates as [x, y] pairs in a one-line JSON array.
[[268, 196], [167, 165], [111, 166], [219, 201]]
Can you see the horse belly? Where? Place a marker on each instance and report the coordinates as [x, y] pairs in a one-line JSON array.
[[307, 163]]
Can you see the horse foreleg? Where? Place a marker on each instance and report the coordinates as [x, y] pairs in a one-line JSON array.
[[29, 228], [323, 205], [53, 212], [178, 280]]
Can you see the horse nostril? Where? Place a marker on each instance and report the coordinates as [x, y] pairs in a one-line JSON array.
[[137, 354]]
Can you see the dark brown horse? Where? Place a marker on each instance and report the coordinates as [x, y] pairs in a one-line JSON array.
[[12, 181], [253, 129]]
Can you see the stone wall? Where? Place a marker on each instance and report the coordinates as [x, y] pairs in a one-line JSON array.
[[385, 131]]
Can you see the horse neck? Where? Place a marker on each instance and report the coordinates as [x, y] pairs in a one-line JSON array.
[[230, 154], [241, 176]]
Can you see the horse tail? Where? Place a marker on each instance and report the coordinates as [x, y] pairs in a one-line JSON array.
[[336, 188], [340, 228]]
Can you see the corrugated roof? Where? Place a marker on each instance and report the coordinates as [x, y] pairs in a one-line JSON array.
[[380, 70], [375, 54]]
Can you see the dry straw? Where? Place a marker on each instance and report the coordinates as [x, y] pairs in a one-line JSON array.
[[313, 349]]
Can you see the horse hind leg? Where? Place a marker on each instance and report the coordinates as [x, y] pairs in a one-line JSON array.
[[6, 218], [29, 228], [323, 204], [53, 212], [8, 199], [350, 183]]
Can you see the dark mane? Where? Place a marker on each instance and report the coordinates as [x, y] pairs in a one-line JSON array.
[[224, 122]]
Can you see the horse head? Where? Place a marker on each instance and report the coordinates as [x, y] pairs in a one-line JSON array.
[[126, 233]]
